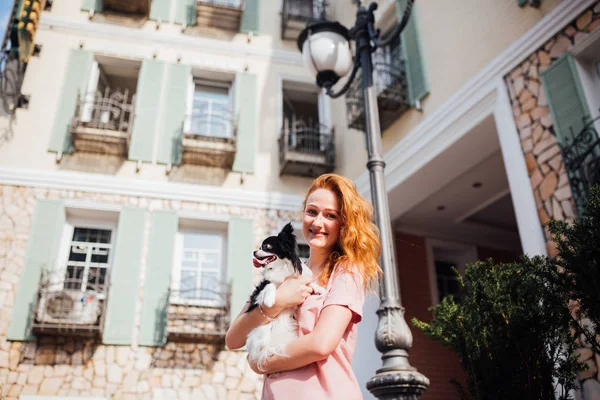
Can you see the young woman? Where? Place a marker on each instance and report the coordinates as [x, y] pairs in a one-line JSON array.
[[344, 251]]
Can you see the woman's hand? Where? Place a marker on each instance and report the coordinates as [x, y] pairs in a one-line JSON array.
[[292, 292], [254, 367]]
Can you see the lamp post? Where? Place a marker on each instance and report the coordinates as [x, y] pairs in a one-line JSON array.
[[326, 51]]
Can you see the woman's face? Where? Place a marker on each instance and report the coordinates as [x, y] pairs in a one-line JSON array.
[[322, 220]]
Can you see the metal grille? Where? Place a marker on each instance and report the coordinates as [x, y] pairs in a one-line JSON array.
[[306, 148], [391, 87], [109, 110], [296, 14], [581, 154]]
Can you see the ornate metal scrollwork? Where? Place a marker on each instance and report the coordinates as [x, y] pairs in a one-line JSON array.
[[581, 154]]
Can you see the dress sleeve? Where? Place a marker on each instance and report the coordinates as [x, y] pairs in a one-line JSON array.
[[347, 290]]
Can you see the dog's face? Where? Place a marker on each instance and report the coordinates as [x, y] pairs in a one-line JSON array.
[[278, 256]]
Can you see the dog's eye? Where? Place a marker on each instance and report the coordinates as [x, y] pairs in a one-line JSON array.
[[267, 247]]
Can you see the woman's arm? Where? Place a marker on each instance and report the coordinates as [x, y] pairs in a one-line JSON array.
[[292, 292], [315, 346]]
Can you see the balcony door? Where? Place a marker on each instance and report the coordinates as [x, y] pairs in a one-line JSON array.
[[210, 113]]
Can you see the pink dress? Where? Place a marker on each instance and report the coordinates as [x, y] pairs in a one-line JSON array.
[[331, 378]]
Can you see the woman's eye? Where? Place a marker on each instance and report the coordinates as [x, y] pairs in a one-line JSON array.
[[332, 216], [311, 212]]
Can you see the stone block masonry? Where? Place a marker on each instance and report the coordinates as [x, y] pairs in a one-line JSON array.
[[66, 366]]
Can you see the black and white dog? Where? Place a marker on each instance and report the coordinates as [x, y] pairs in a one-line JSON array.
[[278, 257]]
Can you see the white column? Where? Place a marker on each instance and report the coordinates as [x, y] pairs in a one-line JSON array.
[[530, 228]]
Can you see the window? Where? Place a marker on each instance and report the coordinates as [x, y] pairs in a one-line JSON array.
[[305, 117], [210, 113], [384, 61], [85, 256], [447, 281], [199, 266], [443, 258]]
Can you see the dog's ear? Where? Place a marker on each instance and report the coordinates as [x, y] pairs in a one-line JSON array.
[[288, 230]]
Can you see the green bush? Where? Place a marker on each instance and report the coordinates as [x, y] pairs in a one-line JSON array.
[[508, 329], [578, 246]]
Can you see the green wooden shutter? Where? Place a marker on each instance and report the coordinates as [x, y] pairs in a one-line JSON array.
[[185, 12], [147, 106], [124, 277], [158, 278], [413, 56], [92, 5], [160, 10], [246, 114], [174, 113], [566, 99], [240, 245], [75, 83], [42, 248], [250, 16]]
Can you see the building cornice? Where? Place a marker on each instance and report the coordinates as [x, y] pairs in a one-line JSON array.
[[170, 40], [97, 183], [430, 137]]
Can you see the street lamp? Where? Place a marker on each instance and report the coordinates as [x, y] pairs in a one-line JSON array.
[[326, 51]]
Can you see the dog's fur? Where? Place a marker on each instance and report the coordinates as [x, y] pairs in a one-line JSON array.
[[278, 257]]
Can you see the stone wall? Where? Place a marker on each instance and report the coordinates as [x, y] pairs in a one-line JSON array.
[[544, 161], [532, 116], [64, 366]]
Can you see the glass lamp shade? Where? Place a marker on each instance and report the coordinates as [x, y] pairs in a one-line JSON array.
[[326, 51]]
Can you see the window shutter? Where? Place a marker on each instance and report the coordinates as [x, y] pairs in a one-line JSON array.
[[42, 248], [246, 114], [185, 12], [155, 305], [240, 245], [565, 96], [176, 94], [147, 106], [124, 277], [75, 82], [413, 56], [160, 10], [92, 5], [250, 16]]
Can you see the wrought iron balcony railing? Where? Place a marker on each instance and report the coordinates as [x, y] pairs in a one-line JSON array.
[[581, 155], [391, 86], [210, 140], [306, 149], [103, 122], [63, 308], [296, 14], [199, 315], [222, 14]]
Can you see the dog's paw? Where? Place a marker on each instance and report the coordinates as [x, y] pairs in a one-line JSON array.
[[318, 289]]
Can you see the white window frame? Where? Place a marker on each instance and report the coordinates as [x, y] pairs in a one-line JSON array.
[[587, 60], [192, 83], [177, 260], [323, 103], [60, 268], [458, 253]]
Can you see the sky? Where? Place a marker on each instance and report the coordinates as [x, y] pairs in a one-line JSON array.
[[5, 7]]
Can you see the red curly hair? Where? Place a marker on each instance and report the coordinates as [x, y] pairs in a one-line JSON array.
[[358, 244]]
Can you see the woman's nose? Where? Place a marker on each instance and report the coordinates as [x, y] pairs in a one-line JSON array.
[[318, 221]]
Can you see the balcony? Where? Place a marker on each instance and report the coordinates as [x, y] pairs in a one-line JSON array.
[[62, 308], [581, 154], [131, 7], [103, 123], [296, 14], [221, 14], [211, 140], [391, 87], [306, 149], [199, 316]]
